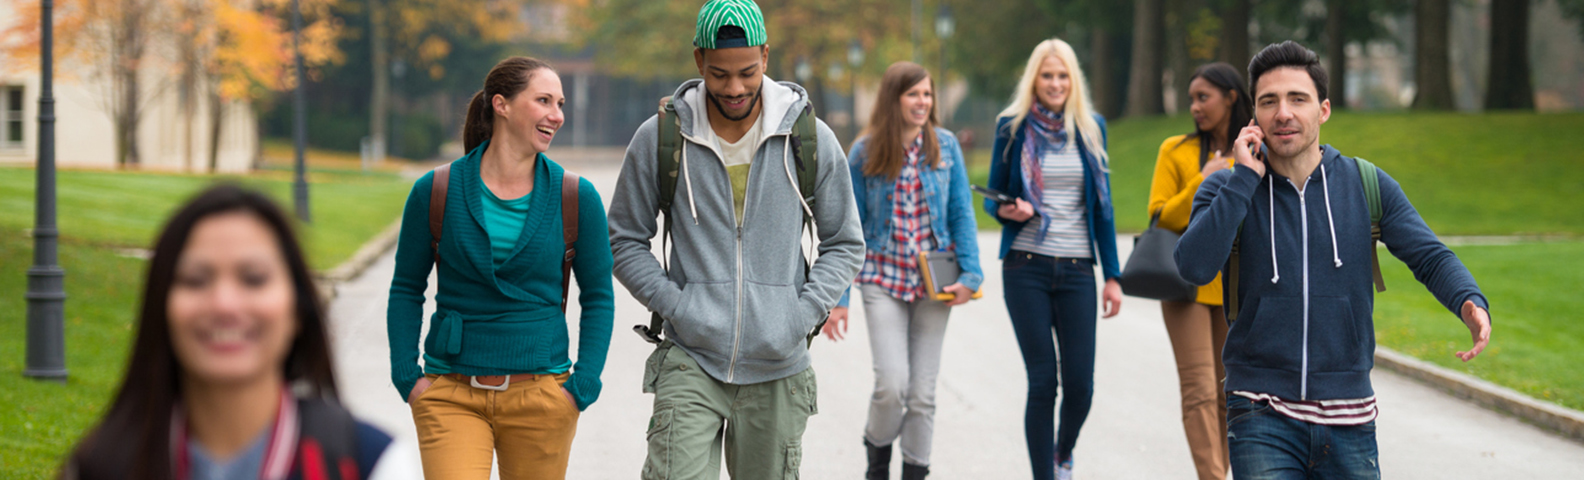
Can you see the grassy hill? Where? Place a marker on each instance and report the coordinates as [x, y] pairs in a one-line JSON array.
[[1468, 174]]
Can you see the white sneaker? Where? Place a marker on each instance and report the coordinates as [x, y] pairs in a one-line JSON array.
[[1064, 470]]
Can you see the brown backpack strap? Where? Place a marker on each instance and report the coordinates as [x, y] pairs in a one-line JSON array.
[[569, 231], [437, 202]]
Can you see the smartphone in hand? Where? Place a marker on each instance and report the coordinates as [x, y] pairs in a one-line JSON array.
[[998, 197]]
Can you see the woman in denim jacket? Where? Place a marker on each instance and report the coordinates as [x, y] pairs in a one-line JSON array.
[[912, 188], [1050, 156]]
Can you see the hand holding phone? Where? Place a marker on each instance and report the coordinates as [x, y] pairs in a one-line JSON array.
[[1248, 149], [993, 195]]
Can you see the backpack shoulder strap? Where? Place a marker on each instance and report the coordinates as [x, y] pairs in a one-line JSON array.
[[327, 447], [805, 147], [668, 163], [1370, 175], [1229, 280], [668, 156], [805, 150], [437, 203], [569, 230]]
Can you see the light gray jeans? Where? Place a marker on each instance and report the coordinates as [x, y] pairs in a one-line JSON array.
[[905, 339]]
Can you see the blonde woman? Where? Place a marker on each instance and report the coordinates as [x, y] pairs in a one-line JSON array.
[[1050, 156]]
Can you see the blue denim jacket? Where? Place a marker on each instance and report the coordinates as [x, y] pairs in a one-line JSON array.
[[946, 193], [1006, 176]]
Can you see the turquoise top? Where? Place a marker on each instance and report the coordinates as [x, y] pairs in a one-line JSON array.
[[503, 220], [498, 317]]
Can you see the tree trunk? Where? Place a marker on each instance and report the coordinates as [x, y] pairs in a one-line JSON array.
[[1234, 35], [1144, 77], [1336, 53], [216, 120], [124, 73], [1177, 51], [379, 99], [1103, 79], [1509, 85], [1432, 75]]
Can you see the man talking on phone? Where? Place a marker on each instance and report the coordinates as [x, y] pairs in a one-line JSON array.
[[1291, 223]]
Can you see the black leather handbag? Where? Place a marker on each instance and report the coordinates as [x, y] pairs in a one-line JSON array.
[[1151, 270]]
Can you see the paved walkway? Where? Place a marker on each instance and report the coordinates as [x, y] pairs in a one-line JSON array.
[[1133, 432]]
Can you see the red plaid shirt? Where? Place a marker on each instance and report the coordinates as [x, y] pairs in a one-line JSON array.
[[894, 266]]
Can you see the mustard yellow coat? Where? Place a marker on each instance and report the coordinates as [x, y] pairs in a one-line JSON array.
[[1172, 191]]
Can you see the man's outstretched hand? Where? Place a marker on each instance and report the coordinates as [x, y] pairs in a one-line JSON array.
[[1478, 322]]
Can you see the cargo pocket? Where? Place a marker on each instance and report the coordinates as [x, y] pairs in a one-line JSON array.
[[657, 466], [811, 389], [794, 460], [651, 377]]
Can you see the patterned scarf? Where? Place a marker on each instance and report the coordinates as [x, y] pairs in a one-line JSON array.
[[1043, 132]]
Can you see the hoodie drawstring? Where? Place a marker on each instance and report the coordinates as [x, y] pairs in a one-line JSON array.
[[786, 148], [1335, 257], [1271, 193]]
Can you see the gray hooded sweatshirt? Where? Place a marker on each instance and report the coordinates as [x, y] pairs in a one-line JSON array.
[[736, 298]]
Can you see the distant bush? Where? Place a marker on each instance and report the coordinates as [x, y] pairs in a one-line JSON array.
[[415, 136]]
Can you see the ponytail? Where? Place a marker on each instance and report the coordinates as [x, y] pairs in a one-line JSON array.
[[507, 79]]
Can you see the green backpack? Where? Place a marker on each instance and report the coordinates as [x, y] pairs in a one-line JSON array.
[[1369, 175], [805, 149]]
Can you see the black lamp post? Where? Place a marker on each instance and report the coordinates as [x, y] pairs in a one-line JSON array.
[[46, 294], [855, 58], [300, 122], [945, 25]]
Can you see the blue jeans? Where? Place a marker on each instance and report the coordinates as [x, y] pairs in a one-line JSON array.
[[1267, 445], [1043, 295]]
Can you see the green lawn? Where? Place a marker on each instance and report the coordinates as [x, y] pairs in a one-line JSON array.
[[101, 214], [1484, 174], [1536, 344], [125, 209]]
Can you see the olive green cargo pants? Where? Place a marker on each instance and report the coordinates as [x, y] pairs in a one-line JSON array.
[[760, 426]]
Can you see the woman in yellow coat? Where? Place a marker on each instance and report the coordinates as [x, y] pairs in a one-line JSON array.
[[1198, 328]]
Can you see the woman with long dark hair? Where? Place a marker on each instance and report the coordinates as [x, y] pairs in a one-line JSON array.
[[1197, 328], [506, 228], [911, 183], [1050, 155], [231, 326]]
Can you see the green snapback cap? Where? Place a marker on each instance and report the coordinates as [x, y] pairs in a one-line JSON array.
[[743, 14]]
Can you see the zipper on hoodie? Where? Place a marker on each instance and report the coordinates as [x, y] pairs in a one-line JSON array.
[[1303, 215]]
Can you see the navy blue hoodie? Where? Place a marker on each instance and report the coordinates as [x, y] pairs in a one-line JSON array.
[[1305, 329]]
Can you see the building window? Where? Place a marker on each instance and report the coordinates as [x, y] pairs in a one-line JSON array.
[[11, 106]]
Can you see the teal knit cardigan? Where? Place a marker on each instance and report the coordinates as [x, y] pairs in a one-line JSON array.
[[506, 320]]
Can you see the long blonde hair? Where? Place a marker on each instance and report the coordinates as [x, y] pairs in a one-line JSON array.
[[1077, 114]]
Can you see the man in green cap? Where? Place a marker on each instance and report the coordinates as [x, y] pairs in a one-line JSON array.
[[739, 166]]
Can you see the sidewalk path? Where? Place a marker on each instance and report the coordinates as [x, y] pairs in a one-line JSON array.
[[1134, 430]]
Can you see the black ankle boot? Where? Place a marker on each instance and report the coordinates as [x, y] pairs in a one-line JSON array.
[[914, 472], [879, 462]]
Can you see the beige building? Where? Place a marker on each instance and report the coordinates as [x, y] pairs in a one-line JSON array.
[[85, 133]]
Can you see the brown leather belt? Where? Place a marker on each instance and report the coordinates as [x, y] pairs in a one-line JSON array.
[[497, 383]]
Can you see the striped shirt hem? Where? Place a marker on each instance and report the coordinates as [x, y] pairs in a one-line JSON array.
[[1344, 412]]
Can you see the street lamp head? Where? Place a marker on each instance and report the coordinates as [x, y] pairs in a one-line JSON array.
[[855, 54], [945, 25]]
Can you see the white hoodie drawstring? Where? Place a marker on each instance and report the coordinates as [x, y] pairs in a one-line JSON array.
[[786, 148], [1271, 193], [1335, 257], [689, 178]]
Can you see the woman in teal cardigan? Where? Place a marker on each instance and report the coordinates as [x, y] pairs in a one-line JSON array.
[[496, 374]]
